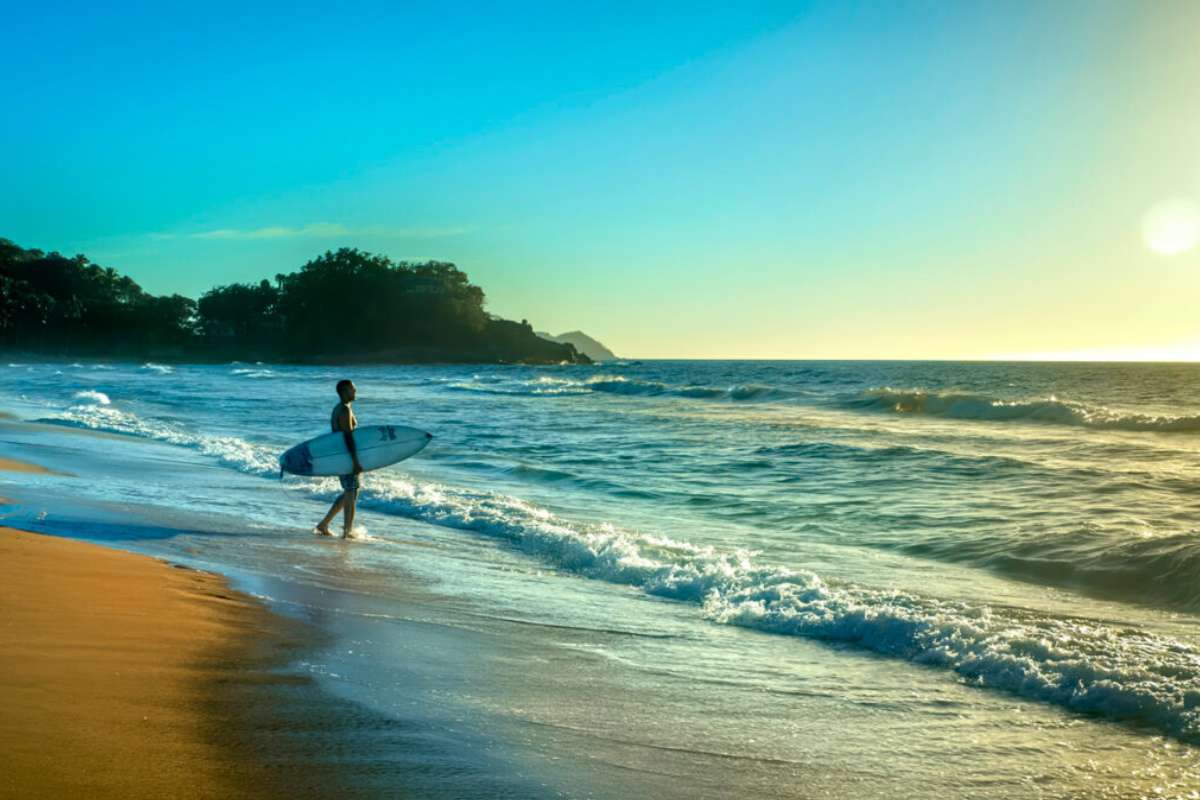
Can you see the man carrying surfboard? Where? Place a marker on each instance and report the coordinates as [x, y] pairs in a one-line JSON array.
[[343, 420]]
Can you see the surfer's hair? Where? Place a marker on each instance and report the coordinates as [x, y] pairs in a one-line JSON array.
[[343, 385]]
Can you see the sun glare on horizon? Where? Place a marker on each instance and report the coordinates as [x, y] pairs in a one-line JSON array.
[[1180, 352], [1172, 227]]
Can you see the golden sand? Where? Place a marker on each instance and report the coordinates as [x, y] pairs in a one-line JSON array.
[[107, 663], [12, 465]]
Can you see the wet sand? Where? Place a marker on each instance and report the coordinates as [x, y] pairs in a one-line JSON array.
[[104, 658], [12, 465], [122, 676]]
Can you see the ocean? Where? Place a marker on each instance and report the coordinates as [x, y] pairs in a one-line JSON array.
[[691, 578]]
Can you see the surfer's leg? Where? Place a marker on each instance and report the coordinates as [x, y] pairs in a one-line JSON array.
[[323, 525], [351, 497]]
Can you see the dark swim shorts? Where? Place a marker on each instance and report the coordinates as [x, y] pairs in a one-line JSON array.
[[351, 483]]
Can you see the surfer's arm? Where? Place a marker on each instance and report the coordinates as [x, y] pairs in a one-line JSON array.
[[348, 435]]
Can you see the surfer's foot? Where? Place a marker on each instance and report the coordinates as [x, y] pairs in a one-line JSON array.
[[322, 530]]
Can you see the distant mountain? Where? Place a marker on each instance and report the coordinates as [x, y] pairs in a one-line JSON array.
[[583, 343]]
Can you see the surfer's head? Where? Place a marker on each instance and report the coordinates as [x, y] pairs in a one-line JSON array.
[[346, 390]]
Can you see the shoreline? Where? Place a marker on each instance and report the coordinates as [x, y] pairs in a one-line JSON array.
[[13, 465], [124, 676], [127, 674]]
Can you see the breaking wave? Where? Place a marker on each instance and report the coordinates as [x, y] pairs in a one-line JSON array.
[[258, 372], [91, 396], [1050, 410], [230, 451], [620, 385]]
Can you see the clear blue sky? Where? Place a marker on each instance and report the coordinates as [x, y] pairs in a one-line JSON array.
[[884, 179]]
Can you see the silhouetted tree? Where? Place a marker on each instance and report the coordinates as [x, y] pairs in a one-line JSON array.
[[51, 302], [239, 312], [349, 299], [346, 305]]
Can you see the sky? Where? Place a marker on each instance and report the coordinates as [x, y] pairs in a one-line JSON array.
[[893, 179]]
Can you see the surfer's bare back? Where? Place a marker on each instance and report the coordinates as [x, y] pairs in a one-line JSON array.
[[343, 419]]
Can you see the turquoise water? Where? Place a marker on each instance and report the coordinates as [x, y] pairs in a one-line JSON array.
[[692, 579]]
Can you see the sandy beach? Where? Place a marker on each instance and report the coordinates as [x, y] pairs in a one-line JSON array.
[[12, 465], [123, 676], [131, 675], [105, 659]]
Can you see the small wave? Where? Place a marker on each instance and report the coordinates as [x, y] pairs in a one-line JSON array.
[[228, 450], [1050, 410], [1159, 570], [544, 385], [621, 385], [91, 396], [617, 384], [823, 450], [737, 393], [245, 372], [161, 369]]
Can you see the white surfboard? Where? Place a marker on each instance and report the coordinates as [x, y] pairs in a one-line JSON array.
[[377, 446]]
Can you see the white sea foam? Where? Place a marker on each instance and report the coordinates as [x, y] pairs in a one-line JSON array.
[[91, 396], [230, 451], [545, 385], [162, 369]]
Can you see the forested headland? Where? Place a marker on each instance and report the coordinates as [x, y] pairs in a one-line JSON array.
[[343, 306]]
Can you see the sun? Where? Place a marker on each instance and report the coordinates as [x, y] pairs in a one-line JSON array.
[[1172, 227]]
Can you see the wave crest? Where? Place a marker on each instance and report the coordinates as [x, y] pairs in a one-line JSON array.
[[1050, 410], [161, 369], [92, 396], [227, 450], [621, 385]]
